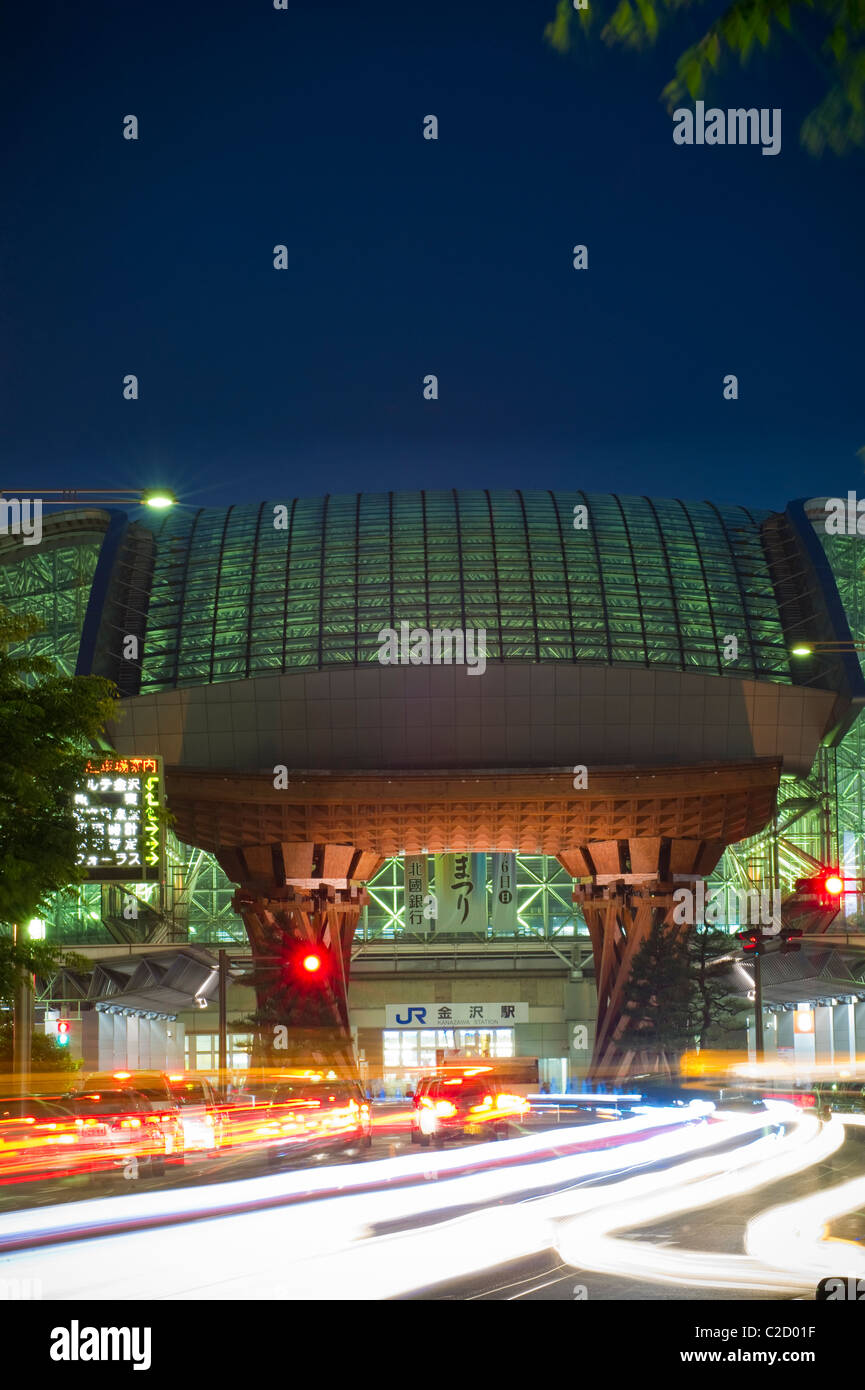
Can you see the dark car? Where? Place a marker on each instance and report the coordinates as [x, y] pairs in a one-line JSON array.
[[697, 1093], [467, 1105]]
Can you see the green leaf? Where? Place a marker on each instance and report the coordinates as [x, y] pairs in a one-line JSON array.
[[558, 31], [649, 16], [694, 77]]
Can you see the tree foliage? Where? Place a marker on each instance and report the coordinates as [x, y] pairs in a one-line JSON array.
[[45, 1055], [48, 724], [679, 993], [713, 1009], [659, 995], [28, 958], [835, 41]]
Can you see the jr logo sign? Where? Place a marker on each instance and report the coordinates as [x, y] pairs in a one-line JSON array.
[[417, 1015]]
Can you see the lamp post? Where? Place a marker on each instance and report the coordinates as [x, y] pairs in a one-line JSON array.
[[22, 1025]]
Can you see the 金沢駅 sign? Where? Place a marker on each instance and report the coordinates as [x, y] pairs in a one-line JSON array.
[[455, 1015], [117, 810]]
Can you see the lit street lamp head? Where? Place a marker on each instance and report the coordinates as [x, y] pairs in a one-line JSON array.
[[159, 499]]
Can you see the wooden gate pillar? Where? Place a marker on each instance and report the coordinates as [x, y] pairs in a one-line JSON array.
[[625, 887], [291, 896]]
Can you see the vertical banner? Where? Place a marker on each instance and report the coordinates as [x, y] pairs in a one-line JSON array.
[[504, 915], [461, 893], [416, 881]]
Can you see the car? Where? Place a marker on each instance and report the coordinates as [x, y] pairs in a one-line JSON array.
[[38, 1138], [299, 1116], [202, 1113], [155, 1088], [118, 1125], [472, 1103], [699, 1094], [421, 1089]]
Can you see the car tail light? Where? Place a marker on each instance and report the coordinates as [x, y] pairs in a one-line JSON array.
[[445, 1109], [427, 1103], [209, 1120], [132, 1123]]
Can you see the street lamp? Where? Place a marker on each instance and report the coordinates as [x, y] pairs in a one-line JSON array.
[[157, 498], [834, 647]]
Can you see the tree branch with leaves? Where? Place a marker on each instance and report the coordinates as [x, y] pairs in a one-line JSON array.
[[834, 39], [49, 724]]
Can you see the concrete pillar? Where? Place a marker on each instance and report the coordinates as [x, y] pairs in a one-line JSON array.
[[823, 1033], [843, 1033], [172, 1035], [90, 1040], [804, 1042], [786, 1039], [770, 1035]]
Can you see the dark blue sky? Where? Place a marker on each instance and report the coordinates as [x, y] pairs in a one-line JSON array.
[[410, 256]]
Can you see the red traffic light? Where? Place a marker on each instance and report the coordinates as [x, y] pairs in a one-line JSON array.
[[827, 887], [307, 966], [830, 881], [62, 1033]]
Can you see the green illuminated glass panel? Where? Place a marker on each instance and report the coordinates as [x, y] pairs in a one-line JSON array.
[[644, 583]]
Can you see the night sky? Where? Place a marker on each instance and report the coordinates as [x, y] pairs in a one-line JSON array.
[[410, 257]]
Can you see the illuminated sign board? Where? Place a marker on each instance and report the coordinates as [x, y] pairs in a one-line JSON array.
[[454, 1015], [117, 813]]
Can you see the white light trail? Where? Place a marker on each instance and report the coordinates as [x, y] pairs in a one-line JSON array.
[[777, 1245], [322, 1249], [328, 1249]]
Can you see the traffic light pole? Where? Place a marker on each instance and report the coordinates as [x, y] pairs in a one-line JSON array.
[[223, 1021], [22, 1027], [754, 943]]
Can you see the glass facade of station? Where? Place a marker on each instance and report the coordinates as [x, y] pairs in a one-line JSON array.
[[310, 583]]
